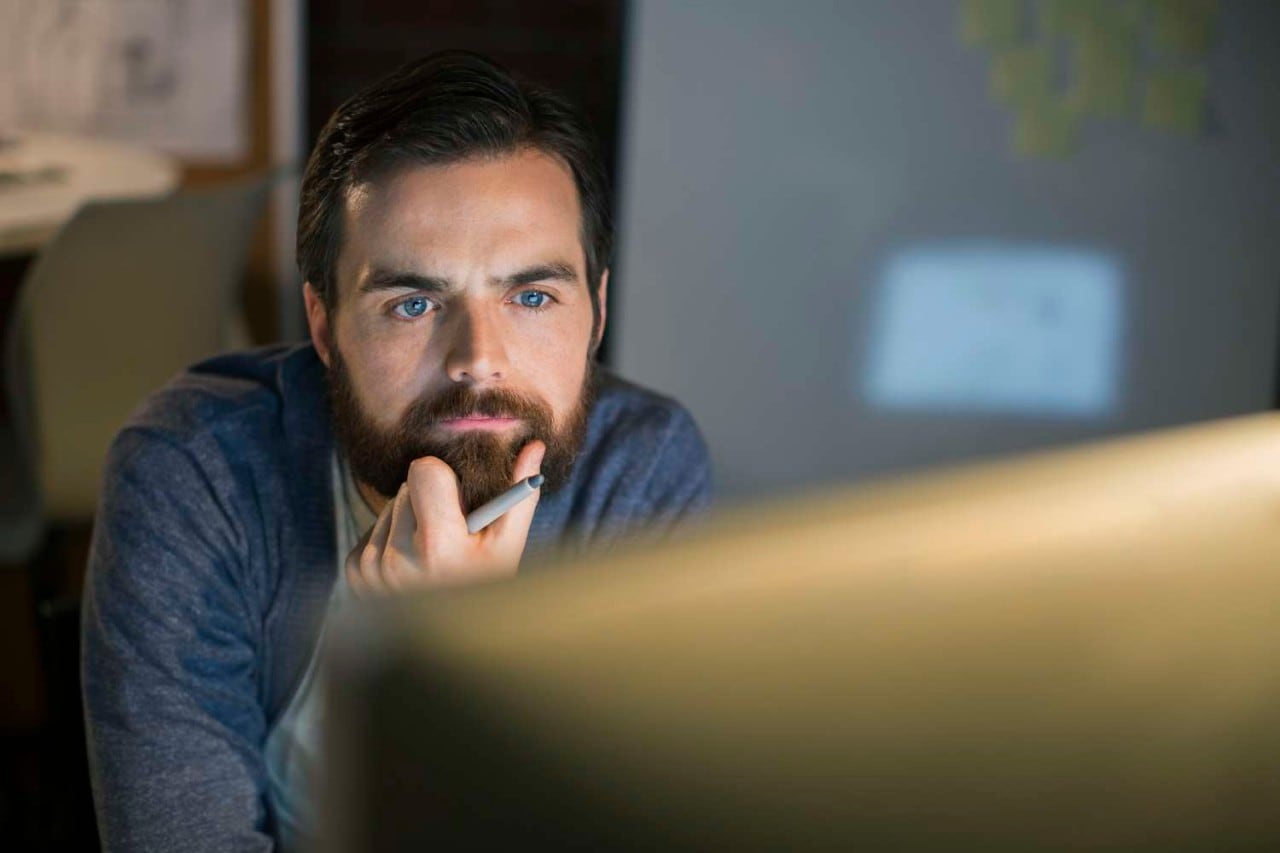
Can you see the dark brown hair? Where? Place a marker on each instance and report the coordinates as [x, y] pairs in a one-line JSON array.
[[444, 108]]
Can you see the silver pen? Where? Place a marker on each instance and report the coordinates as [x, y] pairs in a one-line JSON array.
[[487, 514]]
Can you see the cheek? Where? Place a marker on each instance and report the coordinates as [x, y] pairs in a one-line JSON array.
[[386, 373], [568, 388], [554, 361]]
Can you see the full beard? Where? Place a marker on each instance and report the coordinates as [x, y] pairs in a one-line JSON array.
[[483, 461]]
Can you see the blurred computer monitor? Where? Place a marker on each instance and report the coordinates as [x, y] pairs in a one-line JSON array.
[[1078, 650]]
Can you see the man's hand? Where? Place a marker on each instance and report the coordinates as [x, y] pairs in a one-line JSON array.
[[420, 538]]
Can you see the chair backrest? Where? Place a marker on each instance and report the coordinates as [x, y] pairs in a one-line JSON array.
[[126, 295]]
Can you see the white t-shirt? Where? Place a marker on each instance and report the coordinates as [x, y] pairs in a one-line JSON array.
[[292, 749]]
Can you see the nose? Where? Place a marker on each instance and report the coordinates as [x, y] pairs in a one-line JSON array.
[[477, 354]]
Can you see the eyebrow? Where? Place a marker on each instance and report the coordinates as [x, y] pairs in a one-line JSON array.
[[555, 271], [384, 279], [397, 280]]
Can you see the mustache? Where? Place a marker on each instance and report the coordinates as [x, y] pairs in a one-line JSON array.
[[460, 401]]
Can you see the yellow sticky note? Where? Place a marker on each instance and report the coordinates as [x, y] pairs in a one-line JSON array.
[[1130, 13], [1057, 17], [1067, 17], [1021, 74], [1103, 62], [990, 23], [1175, 100], [1044, 128], [1183, 26]]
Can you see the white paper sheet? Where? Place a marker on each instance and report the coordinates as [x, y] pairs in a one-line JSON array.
[[169, 74], [997, 327]]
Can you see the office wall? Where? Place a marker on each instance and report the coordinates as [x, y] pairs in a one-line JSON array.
[[780, 161]]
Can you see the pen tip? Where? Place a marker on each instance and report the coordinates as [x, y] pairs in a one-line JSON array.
[[536, 481]]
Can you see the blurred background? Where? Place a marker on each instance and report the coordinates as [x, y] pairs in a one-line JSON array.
[[855, 238]]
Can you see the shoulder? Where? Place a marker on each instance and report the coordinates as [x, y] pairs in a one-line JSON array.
[[629, 419], [644, 461], [231, 432], [186, 478], [233, 392], [217, 489]]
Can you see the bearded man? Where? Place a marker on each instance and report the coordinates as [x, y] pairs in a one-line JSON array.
[[454, 236]]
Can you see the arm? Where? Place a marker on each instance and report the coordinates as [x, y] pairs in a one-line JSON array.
[[171, 659]]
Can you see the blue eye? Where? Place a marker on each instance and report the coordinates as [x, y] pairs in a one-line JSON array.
[[533, 299], [413, 307]]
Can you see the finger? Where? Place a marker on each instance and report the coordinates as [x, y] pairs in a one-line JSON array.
[[529, 460], [399, 557], [512, 529], [362, 585], [352, 565], [371, 560], [433, 495], [369, 556]]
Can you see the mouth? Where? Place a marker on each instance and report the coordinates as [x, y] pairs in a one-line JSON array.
[[479, 422]]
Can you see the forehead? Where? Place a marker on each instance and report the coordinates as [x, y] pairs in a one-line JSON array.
[[499, 211]]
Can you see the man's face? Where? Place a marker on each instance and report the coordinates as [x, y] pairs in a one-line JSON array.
[[462, 324]]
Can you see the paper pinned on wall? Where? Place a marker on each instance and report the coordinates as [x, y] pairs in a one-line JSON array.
[[1045, 128], [169, 74], [997, 327], [990, 23], [1183, 26], [1175, 100], [1021, 74]]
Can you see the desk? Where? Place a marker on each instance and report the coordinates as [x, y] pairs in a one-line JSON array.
[[45, 178]]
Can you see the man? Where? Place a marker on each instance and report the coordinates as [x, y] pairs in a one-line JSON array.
[[454, 236]]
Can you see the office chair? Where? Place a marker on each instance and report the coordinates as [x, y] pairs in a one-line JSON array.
[[124, 296]]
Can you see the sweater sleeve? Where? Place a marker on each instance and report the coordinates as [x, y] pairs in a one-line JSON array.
[[678, 489], [656, 483], [171, 659]]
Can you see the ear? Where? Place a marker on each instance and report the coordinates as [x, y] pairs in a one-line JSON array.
[[602, 300], [317, 321]]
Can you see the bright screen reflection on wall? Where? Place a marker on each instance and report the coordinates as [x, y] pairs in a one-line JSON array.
[[996, 327]]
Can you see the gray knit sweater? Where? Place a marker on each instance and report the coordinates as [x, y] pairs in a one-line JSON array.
[[213, 559]]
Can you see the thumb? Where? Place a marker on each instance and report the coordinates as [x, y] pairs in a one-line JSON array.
[[514, 526], [529, 461]]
